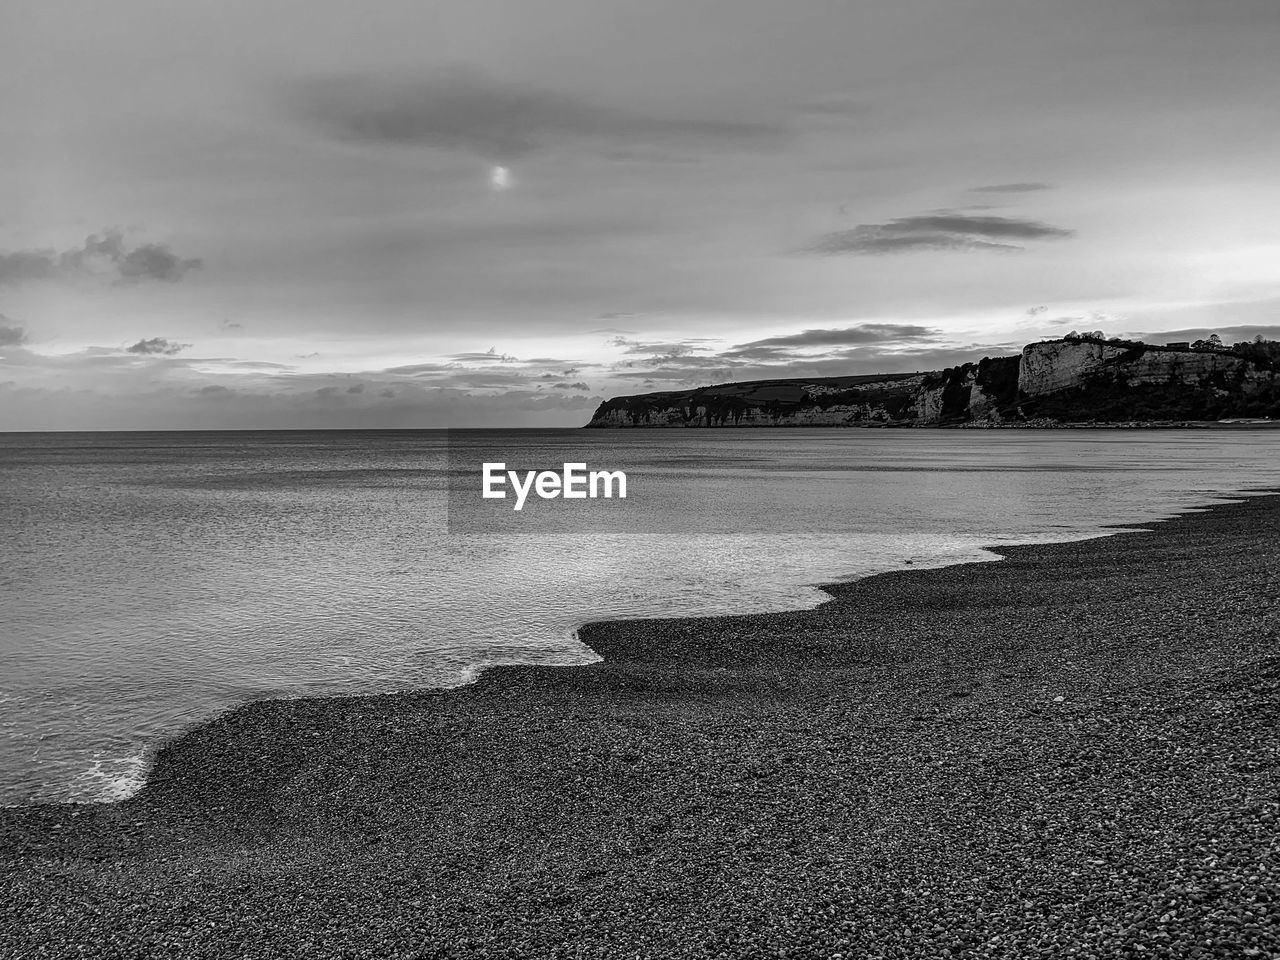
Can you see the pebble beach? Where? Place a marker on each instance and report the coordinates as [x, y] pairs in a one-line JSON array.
[[1071, 752]]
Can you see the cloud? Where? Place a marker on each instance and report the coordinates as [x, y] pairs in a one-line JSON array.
[[28, 265], [489, 356], [103, 255], [864, 348], [851, 361], [845, 336], [489, 370], [154, 261], [232, 364], [112, 390], [1236, 334], [1013, 188], [692, 353], [570, 386], [942, 231], [674, 348], [157, 346], [11, 334], [466, 111]]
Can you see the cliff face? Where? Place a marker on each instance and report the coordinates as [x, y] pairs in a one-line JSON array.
[[830, 401], [1073, 380], [1047, 368], [1076, 381]]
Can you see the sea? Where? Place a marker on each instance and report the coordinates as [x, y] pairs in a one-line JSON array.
[[150, 581]]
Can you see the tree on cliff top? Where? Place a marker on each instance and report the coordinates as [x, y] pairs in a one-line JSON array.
[[1259, 349], [1214, 342]]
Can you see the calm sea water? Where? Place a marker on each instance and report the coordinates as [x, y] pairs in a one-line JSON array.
[[150, 581]]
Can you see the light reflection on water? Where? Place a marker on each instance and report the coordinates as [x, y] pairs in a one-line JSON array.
[[150, 581]]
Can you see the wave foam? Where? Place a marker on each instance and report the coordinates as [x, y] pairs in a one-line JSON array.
[[111, 779]]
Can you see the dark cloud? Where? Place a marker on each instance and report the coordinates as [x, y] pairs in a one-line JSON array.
[[28, 265], [234, 364], [488, 370], [845, 336], [104, 255], [1013, 188], [940, 231], [153, 261], [866, 348], [463, 110], [762, 354], [157, 346], [1228, 334], [852, 361], [671, 348], [489, 356], [457, 375], [414, 369], [665, 350], [570, 386], [11, 334]]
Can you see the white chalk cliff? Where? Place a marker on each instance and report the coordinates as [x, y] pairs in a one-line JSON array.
[[1072, 380]]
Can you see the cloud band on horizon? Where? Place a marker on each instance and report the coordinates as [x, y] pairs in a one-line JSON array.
[[936, 232]]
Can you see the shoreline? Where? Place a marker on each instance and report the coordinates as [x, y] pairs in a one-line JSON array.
[[1243, 424], [903, 767], [990, 553]]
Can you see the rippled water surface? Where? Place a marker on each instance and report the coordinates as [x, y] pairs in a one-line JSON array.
[[151, 581]]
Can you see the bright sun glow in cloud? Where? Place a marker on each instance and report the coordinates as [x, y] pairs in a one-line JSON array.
[[499, 178]]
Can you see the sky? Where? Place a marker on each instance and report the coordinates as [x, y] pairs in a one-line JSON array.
[[447, 213]]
